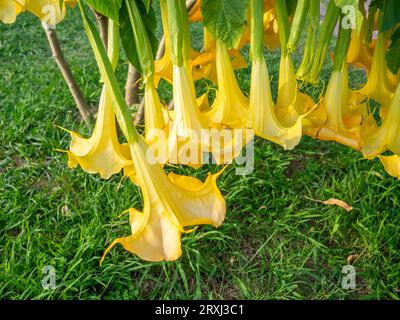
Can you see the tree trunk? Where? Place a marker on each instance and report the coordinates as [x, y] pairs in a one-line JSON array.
[[66, 72], [103, 27], [132, 86]]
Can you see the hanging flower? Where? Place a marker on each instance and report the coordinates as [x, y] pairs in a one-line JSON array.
[[171, 203], [377, 86], [387, 136], [101, 153]]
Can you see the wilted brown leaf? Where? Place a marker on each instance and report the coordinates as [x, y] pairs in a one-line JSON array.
[[339, 203]]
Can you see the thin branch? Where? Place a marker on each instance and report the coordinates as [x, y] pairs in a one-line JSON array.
[[102, 21], [66, 72], [132, 86]]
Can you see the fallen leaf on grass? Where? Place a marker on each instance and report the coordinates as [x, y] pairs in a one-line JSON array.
[[336, 202], [339, 203]]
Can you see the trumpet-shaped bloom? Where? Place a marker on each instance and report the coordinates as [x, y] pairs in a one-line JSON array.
[[155, 114], [230, 107], [188, 122], [171, 203], [101, 153], [338, 120], [163, 66], [387, 136], [262, 116], [377, 86], [291, 104], [9, 10], [359, 53]]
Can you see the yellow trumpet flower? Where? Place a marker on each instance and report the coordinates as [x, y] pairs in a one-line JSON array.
[[387, 136], [9, 10], [163, 66], [359, 54], [156, 115], [188, 122], [101, 153], [343, 121], [291, 104], [230, 107], [377, 86], [171, 203], [262, 117]]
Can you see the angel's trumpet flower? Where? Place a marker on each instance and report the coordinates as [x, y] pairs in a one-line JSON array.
[[188, 122], [9, 10], [377, 86], [171, 203], [359, 53], [101, 153], [391, 164], [231, 105], [291, 104], [262, 116], [155, 114], [338, 120], [163, 66], [342, 123], [387, 136]]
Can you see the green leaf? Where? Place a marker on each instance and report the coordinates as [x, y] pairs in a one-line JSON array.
[[225, 19], [126, 33], [390, 9], [108, 8], [393, 53]]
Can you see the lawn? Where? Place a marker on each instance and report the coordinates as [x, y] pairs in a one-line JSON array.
[[278, 240]]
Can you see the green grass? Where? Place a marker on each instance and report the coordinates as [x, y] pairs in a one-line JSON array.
[[277, 242]]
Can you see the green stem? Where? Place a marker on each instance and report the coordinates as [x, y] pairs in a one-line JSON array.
[[256, 29], [332, 15], [299, 19], [175, 31], [342, 46], [145, 52], [107, 74], [311, 38], [369, 24], [283, 24]]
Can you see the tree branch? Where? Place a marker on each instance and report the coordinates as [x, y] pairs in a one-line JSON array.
[[66, 72]]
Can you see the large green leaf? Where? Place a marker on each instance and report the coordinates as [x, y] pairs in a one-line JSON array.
[[391, 13], [225, 19], [108, 8], [393, 53], [126, 33]]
